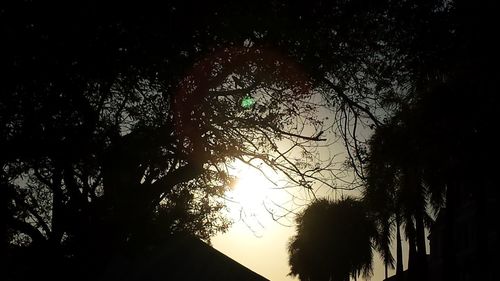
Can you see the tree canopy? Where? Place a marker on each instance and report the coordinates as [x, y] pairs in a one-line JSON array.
[[118, 121], [333, 241], [430, 152]]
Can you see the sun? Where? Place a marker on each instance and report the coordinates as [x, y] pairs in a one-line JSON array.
[[250, 189], [254, 193]]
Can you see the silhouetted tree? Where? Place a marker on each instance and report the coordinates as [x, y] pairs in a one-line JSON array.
[[333, 242], [118, 121], [117, 116], [108, 110], [115, 134], [440, 137], [395, 191], [415, 158]]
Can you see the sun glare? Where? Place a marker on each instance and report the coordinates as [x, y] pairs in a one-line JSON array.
[[254, 194]]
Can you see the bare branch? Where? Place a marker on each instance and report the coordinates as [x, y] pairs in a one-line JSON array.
[[350, 102]]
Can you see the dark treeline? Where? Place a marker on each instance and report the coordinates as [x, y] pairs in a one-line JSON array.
[[435, 158], [431, 164], [118, 120]]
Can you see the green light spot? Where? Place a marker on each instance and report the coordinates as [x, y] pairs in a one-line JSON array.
[[247, 102]]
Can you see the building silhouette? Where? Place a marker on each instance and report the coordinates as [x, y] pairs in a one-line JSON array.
[[181, 258], [177, 258]]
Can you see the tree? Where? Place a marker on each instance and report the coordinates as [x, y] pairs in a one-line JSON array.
[[441, 133], [333, 242], [117, 116], [395, 192], [114, 138], [428, 141]]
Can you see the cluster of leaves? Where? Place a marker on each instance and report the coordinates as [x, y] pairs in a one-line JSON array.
[[333, 241]]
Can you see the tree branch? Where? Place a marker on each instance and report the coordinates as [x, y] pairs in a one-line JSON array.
[[182, 174], [234, 92], [27, 229], [350, 102], [314, 138]]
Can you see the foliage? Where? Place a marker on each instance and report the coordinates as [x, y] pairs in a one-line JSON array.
[[117, 134], [116, 117], [414, 158], [333, 241]]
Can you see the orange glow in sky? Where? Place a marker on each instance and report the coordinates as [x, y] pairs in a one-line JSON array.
[[255, 239]]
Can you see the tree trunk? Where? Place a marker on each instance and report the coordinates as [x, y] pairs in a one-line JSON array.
[[449, 270], [4, 216], [485, 256], [399, 248], [421, 249], [57, 221], [412, 250]]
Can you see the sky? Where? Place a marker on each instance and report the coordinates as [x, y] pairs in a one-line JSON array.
[[266, 253], [255, 239]]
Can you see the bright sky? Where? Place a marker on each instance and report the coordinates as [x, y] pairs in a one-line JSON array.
[[255, 240], [266, 255]]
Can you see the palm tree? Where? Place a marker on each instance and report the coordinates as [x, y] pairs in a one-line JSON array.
[[395, 193], [334, 241]]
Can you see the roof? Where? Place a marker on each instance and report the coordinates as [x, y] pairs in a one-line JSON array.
[[185, 258]]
